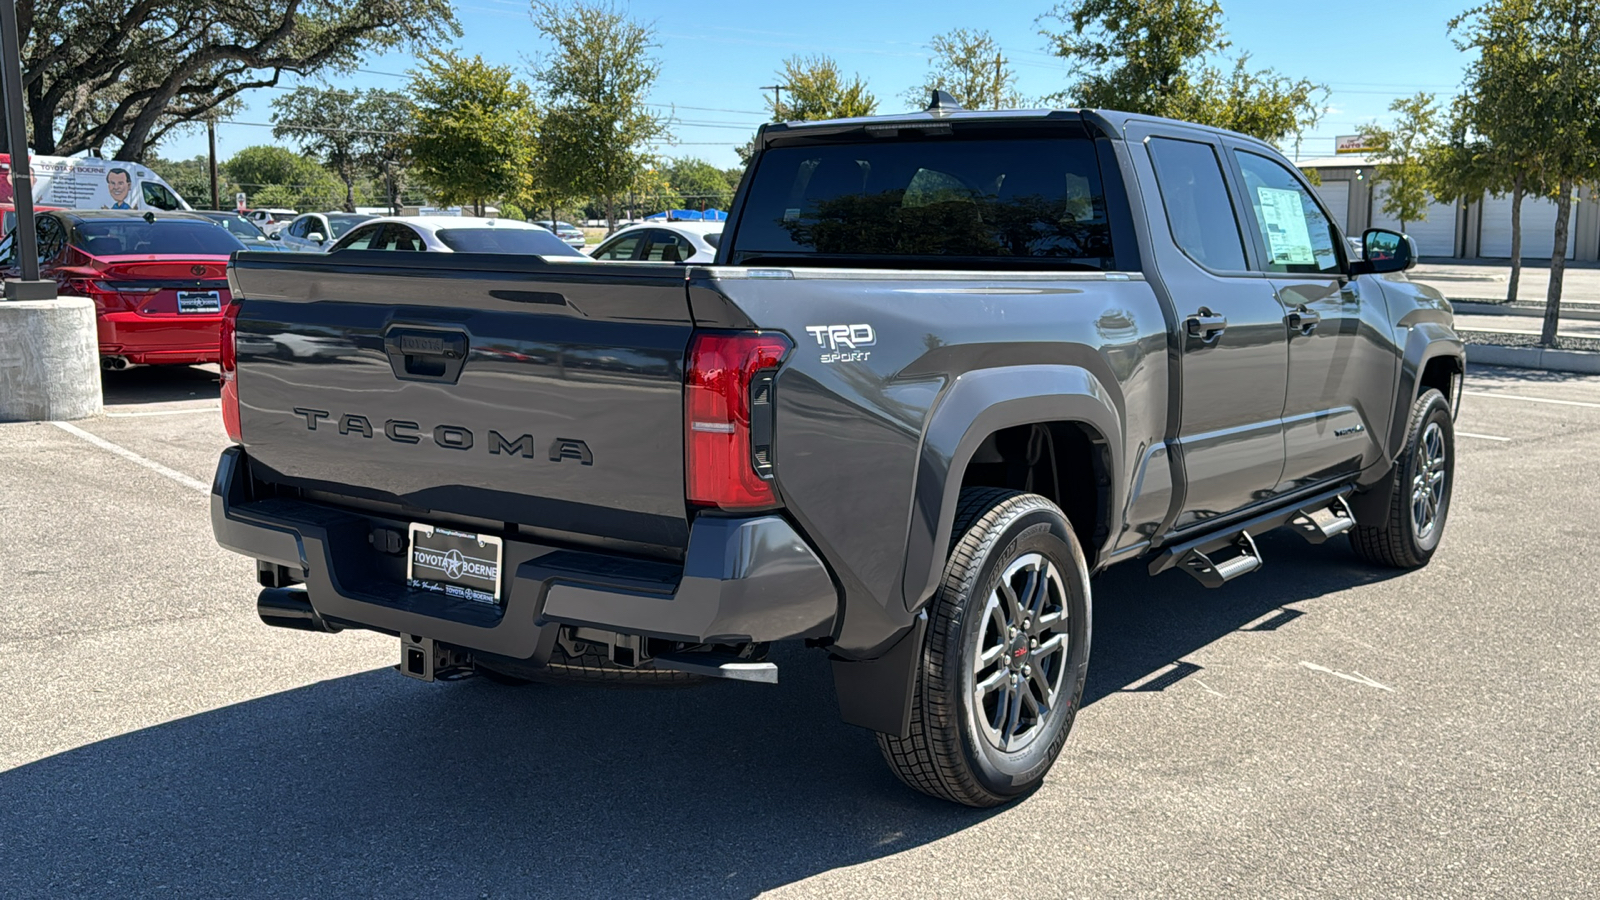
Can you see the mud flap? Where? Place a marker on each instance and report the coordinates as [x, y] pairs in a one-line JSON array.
[[877, 693]]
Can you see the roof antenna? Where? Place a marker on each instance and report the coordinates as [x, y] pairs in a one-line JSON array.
[[942, 103]]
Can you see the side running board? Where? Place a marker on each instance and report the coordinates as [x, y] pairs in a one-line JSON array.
[[1315, 518]]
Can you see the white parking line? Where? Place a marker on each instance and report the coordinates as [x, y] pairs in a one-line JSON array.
[[164, 412], [131, 456], [1358, 678], [1481, 437], [1499, 396]]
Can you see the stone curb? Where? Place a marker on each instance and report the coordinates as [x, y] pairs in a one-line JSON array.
[[1580, 361], [1482, 308]]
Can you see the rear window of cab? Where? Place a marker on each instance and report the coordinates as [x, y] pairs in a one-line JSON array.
[[980, 201]]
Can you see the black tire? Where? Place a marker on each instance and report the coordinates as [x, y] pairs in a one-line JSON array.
[[1402, 541], [951, 752], [590, 667]]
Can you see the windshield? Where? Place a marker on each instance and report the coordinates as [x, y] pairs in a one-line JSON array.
[[941, 200], [135, 236], [341, 224], [505, 240]]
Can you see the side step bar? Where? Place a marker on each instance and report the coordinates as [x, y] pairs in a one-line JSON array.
[[1316, 518]]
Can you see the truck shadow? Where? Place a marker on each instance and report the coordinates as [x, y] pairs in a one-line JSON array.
[[380, 786]]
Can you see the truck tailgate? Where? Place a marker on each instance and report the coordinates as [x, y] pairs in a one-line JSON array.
[[494, 387]]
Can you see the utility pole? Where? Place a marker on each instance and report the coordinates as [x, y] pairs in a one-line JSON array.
[[30, 287], [211, 135], [999, 77], [777, 99]]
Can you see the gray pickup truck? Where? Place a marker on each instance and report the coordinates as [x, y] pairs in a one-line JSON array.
[[947, 367]]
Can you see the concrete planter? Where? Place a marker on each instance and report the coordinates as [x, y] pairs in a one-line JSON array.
[[49, 360]]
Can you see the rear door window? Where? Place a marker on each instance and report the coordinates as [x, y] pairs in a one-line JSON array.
[[1199, 213], [667, 247], [982, 202]]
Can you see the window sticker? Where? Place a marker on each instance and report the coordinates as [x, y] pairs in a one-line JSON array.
[[1283, 216]]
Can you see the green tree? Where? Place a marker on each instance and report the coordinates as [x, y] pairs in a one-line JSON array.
[[696, 184], [1534, 96], [818, 90], [595, 84], [970, 66], [384, 149], [191, 178], [324, 122], [1154, 58], [1402, 153], [474, 130], [107, 72], [278, 176]]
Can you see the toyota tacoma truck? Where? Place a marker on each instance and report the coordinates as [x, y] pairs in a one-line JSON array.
[[946, 367]]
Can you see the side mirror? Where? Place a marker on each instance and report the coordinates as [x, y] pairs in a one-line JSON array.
[[315, 237], [275, 236], [1384, 251]]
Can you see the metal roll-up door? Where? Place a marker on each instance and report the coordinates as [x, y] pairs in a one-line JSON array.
[[1435, 235], [1336, 197], [1538, 228]]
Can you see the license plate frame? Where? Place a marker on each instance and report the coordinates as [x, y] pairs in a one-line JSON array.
[[199, 303], [463, 565]]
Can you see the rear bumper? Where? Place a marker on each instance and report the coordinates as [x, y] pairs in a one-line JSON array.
[[744, 579], [153, 340]]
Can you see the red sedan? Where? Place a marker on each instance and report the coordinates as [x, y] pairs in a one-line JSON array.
[[158, 279]]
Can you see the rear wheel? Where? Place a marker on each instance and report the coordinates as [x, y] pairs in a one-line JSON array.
[[1005, 656], [1419, 501]]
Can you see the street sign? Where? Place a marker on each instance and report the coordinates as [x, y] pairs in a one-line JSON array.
[[238, 201]]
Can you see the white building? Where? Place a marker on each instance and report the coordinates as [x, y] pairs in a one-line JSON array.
[[1477, 230]]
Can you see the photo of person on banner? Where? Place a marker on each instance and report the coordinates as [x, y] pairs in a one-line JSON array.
[[120, 185]]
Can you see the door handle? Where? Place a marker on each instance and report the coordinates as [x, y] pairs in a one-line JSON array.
[[1304, 320], [1205, 325]]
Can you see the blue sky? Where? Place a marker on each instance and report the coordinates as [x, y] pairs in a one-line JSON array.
[[716, 54]]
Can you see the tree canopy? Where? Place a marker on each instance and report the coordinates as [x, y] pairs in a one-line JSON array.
[[969, 66], [277, 176], [1402, 152], [818, 90], [128, 72], [696, 184], [475, 125], [1152, 58], [324, 122], [598, 128]]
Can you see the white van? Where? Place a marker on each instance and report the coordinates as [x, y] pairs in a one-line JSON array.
[[87, 182]]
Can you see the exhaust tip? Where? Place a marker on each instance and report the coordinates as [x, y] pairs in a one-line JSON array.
[[114, 363]]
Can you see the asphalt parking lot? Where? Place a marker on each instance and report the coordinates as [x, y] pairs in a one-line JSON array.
[[1317, 728]]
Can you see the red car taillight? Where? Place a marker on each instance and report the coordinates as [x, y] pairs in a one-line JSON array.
[[230, 372], [727, 401]]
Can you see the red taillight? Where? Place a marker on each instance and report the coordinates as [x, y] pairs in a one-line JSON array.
[[727, 379], [230, 372]]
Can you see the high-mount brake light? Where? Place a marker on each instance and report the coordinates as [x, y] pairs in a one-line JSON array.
[[230, 372], [728, 418]]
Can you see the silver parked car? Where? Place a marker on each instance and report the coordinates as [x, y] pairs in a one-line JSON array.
[[316, 232]]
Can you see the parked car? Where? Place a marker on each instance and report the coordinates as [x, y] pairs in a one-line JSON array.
[[950, 366], [245, 230], [158, 280], [316, 232], [8, 215], [671, 242], [270, 220], [567, 231], [456, 234]]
